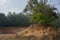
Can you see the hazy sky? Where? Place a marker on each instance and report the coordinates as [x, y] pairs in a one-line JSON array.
[[17, 5], [12, 5]]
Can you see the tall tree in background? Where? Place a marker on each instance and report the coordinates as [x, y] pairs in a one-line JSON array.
[[11, 18], [21, 20], [2, 19]]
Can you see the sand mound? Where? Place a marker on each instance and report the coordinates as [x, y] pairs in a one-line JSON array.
[[38, 31]]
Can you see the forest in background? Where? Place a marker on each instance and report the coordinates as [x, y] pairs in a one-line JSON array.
[[14, 19], [35, 13]]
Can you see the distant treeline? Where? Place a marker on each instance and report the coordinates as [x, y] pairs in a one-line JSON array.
[[14, 19], [19, 19]]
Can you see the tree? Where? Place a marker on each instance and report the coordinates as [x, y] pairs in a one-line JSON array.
[[2, 19], [22, 20], [14, 19], [11, 19], [40, 18], [41, 11]]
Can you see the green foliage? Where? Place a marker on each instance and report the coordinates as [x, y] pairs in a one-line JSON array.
[[13, 19], [22, 20], [40, 18], [42, 13], [57, 22], [2, 19]]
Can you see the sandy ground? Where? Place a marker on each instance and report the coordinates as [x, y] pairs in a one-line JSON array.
[[9, 32], [7, 35]]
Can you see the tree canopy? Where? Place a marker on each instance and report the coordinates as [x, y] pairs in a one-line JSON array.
[[41, 11]]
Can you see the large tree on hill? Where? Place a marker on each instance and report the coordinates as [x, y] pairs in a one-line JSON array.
[[42, 12]]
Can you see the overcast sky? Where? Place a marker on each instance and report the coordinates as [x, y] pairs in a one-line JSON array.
[[17, 5], [12, 5]]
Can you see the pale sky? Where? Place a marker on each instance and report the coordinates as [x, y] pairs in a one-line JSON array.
[[12, 5], [18, 5]]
